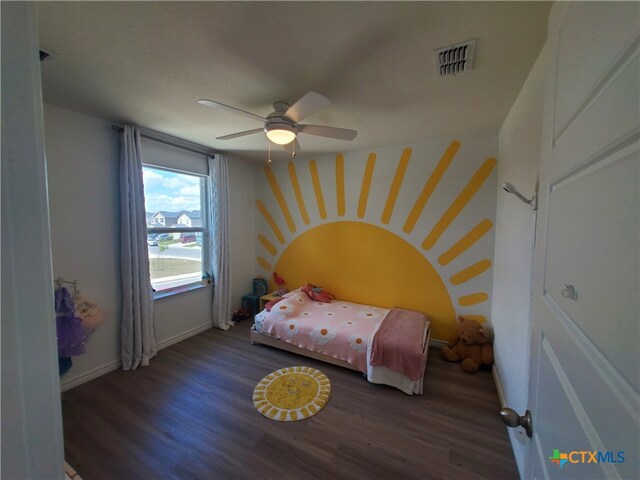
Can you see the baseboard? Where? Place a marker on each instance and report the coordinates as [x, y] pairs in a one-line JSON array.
[[496, 380], [434, 342], [184, 335], [98, 372], [517, 447], [115, 365]]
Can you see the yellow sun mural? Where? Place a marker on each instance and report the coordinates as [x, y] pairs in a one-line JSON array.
[[395, 228]]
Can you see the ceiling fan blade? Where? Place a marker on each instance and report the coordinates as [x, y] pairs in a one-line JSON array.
[[240, 134], [212, 103], [309, 104], [289, 148], [330, 132]]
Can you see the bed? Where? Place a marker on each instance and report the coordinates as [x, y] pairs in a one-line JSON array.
[[389, 346]]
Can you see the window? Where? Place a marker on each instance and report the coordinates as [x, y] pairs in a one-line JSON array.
[[175, 227]]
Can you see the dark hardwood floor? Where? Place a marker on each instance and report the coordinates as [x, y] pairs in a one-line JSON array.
[[189, 415]]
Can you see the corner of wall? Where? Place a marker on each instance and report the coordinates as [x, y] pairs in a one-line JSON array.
[[519, 143], [244, 188]]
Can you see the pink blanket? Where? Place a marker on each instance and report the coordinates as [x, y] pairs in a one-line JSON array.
[[339, 329], [398, 343]]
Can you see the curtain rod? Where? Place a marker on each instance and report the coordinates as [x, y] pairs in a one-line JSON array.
[[162, 138]]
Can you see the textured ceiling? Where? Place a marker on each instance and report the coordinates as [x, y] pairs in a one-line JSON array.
[[148, 62]]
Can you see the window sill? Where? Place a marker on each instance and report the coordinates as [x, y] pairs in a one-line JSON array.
[[161, 295]]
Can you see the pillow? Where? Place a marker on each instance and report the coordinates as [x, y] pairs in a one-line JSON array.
[[269, 305], [292, 293], [285, 308], [318, 294], [298, 297]]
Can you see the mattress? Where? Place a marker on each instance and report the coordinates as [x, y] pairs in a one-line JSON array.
[[341, 330]]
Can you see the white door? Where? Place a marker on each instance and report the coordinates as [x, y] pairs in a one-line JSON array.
[[586, 323]]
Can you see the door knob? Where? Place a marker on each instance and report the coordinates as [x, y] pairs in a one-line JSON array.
[[511, 419]]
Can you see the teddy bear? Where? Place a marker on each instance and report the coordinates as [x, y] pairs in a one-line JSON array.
[[471, 345]]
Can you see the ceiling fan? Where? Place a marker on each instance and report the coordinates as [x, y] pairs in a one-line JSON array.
[[282, 125]]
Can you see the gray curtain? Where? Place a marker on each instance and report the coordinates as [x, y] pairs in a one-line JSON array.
[[219, 240], [138, 331]]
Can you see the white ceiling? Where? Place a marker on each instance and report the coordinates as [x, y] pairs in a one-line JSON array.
[[148, 62]]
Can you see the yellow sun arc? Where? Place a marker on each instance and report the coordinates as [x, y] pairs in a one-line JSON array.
[[364, 263]]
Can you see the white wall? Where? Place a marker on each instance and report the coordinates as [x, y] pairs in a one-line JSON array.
[[243, 178], [518, 162], [32, 445], [83, 158]]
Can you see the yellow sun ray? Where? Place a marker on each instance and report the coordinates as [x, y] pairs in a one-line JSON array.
[[473, 299], [459, 203], [395, 186], [272, 223], [470, 272], [267, 244], [275, 188], [264, 264], [466, 242], [366, 185], [298, 193], [317, 189], [340, 184], [477, 318], [430, 186]]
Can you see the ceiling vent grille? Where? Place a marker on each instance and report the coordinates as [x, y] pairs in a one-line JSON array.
[[455, 59]]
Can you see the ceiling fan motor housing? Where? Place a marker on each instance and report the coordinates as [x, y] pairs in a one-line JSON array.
[[277, 125]]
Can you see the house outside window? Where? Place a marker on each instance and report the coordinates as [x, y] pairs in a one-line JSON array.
[[157, 218], [175, 207]]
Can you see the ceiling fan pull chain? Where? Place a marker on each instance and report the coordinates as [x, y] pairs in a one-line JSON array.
[[269, 152]]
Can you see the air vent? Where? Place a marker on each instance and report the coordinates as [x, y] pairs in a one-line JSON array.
[[46, 56], [455, 59]]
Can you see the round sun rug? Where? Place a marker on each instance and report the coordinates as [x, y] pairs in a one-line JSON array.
[[292, 393]]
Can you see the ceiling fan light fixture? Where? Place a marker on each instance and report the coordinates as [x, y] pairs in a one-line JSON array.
[[281, 133]]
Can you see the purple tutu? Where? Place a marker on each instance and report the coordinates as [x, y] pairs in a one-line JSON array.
[[71, 334]]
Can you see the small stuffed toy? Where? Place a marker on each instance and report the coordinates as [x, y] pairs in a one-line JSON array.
[[269, 305], [278, 279], [89, 313], [471, 345], [318, 294]]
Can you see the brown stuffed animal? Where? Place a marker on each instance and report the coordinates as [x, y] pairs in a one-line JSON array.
[[471, 345]]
